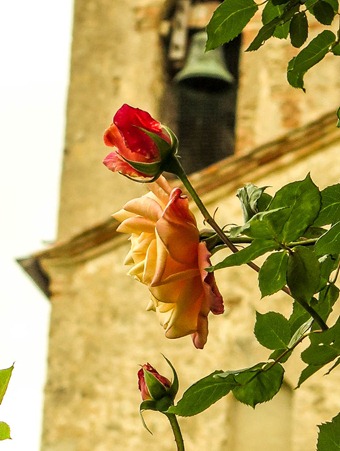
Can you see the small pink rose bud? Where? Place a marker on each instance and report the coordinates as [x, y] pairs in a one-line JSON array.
[[151, 384]]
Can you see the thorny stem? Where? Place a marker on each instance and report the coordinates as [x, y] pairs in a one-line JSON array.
[[176, 430], [177, 169]]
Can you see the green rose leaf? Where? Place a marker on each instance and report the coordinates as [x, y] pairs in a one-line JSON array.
[[298, 317], [329, 242], [323, 12], [5, 376], [203, 394], [334, 4], [266, 32], [308, 57], [282, 30], [272, 330], [249, 197], [329, 437], [324, 346], [303, 273], [272, 275], [228, 21], [302, 201], [258, 386], [255, 249], [5, 431], [330, 206], [262, 225], [327, 298], [270, 11], [298, 29]]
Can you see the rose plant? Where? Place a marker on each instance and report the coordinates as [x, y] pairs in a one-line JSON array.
[[299, 227], [167, 255]]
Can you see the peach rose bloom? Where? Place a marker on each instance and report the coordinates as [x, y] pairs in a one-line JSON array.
[[167, 256]]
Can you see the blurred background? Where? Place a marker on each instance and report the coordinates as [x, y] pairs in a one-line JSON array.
[[35, 50]]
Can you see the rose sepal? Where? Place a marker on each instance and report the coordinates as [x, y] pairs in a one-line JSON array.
[[156, 389], [167, 152], [164, 147], [152, 170], [146, 405], [172, 392]]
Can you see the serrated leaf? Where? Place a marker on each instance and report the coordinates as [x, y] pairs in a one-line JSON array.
[[272, 330], [263, 225], [324, 346], [5, 376], [5, 431], [320, 355], [298, 29], [272, 275], [249, 197], [203, 394], [323, 12], [328, 263], [329, 437], [257, 248], [329, 242], [266, 32], [228, 21], [308, 57], [303, 273], [298, 317], [330, 206], [256, 388], [327, 298], [282, 30], [271, 11], [302, 201]]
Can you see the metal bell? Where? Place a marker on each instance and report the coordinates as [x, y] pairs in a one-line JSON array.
[[203, 68]]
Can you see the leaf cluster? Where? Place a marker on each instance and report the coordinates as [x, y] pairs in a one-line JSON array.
[[283, 19], [297, 232]]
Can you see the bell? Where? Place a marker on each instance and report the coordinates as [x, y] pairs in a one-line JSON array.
[[204, 69]]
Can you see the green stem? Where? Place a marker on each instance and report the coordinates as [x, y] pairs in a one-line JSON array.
[[176, 430], [175, 167]]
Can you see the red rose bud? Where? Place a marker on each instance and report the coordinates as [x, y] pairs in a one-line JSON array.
[[151, 384], [141, 144]]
